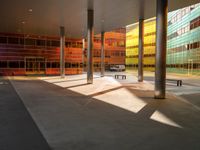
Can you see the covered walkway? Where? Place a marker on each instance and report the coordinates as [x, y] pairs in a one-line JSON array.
[[109, 114], [18, 131]]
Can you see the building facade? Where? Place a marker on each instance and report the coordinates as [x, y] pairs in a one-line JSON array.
[[114, 49], [25, 54], [183, 42], [183, 46], [132, 41]]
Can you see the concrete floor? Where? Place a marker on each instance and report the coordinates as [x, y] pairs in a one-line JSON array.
[[18, 131], [111, 114]]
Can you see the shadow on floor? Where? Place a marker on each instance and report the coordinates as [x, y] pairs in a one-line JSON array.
[[18, 131], [70, 120]]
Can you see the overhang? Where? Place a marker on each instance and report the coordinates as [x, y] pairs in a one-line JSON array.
[[46, 16]]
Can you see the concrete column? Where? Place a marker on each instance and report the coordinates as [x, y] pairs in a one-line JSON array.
[[161, 42], [141, 50], [62, 52], [102, 54], [83, 55], [90, 34]]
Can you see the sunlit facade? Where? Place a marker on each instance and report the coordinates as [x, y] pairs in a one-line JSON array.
[[183, 55], [25, 54], [114, 49], [132, 40], [183, 44]]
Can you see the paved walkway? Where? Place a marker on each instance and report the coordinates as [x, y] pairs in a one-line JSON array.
[[108, 115], [17, 129]]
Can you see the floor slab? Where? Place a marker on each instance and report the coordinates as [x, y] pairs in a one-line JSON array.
[[18, 131], [110, 114]]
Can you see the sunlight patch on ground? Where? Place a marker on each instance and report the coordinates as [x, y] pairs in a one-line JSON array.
[[106, 89], [160, 117], [99, 85], [54, 79], [122, 98]]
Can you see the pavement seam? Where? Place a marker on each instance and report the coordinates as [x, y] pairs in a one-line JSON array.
[[183, 100], [179, 98], [29, 113]]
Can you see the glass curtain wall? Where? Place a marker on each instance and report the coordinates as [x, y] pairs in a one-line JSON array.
[[132, 39], [183, 42]]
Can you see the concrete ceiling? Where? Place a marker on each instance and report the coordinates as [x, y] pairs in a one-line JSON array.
[[45, 16]]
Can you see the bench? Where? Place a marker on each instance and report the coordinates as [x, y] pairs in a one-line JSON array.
[[122, 76], [178, 82]]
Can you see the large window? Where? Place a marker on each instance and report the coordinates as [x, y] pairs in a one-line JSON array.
[[29, 42], [40, 42], [3, 40], [13, 40], [3, 64], [55, 43], [195, 23], [13, 64]]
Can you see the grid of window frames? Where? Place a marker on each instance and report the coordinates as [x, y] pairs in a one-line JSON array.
[[132, 40], [183, 45], [29, 54], [114, 49], [183, 55]]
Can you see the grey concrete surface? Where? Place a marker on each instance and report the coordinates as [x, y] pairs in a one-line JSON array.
[[189, 91], [17, 129], [71, 118]]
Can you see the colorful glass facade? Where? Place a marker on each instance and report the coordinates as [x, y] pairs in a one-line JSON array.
[[183, 45], [132, 40], [114, 49], [30, 54], [23, 54]]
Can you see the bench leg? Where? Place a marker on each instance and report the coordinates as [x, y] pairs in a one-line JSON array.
[[179, 83]]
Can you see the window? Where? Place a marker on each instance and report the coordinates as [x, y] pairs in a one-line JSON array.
[[21, 41], [67, 65], [48, 64], [13, 64], [195, 23], [74, 44], [29, 42], [55, 65], [68, 44], [74, 65], [3, 64], [12, 40], [48, 43], [3, 40], [79, 45], [21, 64], [40, 42], [55, 43]]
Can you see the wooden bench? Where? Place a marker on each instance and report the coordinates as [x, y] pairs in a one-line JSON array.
[[178, 82], [117, 76]]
